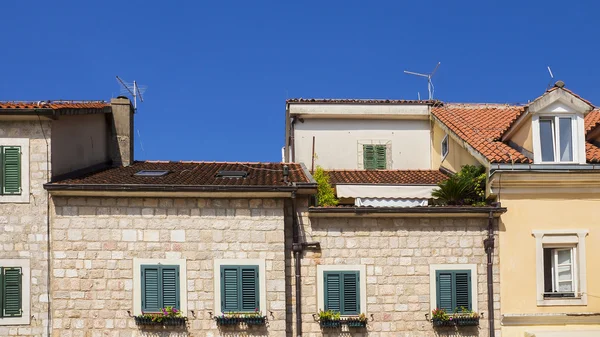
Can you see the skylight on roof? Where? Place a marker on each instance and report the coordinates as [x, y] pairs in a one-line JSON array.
[[151, 173], [232, 174]]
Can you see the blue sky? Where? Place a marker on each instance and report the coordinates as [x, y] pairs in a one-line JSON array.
[[218, 72]]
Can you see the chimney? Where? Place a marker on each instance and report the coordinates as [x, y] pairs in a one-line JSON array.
[[121, 137]]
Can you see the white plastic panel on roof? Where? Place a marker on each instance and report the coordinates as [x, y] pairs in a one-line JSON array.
[[385, 191]]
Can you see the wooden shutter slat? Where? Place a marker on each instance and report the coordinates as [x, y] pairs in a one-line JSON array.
[[12, 290], [333, 293], [249, 288], [11, 170], [369, 157], [150, 289], [380, 152], [170, 286], [462, 284], [351, 299], [230, 288], [445, 290]]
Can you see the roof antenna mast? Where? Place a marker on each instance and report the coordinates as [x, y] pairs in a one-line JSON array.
[[132, 89], [430, 86], [551, 78]]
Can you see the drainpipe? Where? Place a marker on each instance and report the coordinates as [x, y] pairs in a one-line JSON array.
[[297, 249], [489, 249]]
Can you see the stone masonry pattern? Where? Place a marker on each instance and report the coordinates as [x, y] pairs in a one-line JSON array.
[[94, 242], [23, 233], [397, 253]]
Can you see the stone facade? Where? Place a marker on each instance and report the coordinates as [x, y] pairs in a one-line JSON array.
[[95, 241], [397, 254], [23, 233]]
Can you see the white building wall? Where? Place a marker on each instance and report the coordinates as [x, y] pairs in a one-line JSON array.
[[338, 142]]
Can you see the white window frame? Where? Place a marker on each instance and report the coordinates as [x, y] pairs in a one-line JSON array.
[[137, 281], [362, 274], [24, 264], [262, 283], [577, 134], [23, 143], [565, 239], [447, 141], [457, 266]]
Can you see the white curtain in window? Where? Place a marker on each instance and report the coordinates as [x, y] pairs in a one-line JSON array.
[[566, 139]]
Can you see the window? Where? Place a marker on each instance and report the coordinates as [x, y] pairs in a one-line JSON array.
[[160, 287], [159, 283], [374, 157], [14, 292], [240, 285], [342, 288], [10, 177], [561, 267], [560, 277], [151, 173], [453, 286], [445, 147], [239, 288], [453, 289], [342, 292], [556, 139]]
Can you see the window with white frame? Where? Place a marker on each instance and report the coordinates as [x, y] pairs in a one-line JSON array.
[[15, 288], [14, 170], [342, 288], [159, 283], [240, 285], [453, 286], [561, 267], [445, 147], [556, 138]]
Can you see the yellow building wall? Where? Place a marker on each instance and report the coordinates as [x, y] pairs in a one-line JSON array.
[[518, 250], [527, 331], [457, 155], [522, 137]]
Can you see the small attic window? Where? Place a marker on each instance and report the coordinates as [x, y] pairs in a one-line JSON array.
[[151, 173], [232, 174]]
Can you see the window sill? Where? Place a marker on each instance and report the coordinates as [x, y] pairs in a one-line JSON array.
[[23, 320], [562, 301]]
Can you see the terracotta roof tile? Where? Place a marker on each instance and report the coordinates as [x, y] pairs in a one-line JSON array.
[[592, 120], [191, 174], [360, 101], [481, 125], [55, 105], [592, 153], [392, 177]]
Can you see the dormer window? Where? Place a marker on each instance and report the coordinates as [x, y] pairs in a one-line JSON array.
[[556, 139]]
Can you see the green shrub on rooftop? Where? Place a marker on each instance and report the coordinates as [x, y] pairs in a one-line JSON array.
[[466, 187], [325, 192]]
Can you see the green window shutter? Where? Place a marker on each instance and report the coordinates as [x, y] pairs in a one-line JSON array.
[[351, 289], [453, 289], [369, 157], [170, 286], [445, 291], [230, 286], [462, 284], [12, 286], [333, 291], [11, 170], [151, 285], [380, 157], [249, 290]]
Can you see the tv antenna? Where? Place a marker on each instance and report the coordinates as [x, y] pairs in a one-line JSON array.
[[430, 86], [133, 89]]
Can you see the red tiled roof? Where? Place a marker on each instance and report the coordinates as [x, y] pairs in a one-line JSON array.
[[592, 120], [481, 125], [189, 174], [391, 177], [56, 105], [592, 153], [360, 101]]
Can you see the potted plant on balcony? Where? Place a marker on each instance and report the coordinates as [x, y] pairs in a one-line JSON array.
[[439, 317], [466, 317], [329, 319], [255, 318], [357, 322], [168, 316]]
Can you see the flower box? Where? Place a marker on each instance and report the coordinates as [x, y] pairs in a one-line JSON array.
[[437, 322], [226, 320], [330, 324], [356, 323], [160, 321], [255, 320], [467, 321]]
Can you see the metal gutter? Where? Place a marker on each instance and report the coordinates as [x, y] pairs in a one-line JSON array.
[[543, 168], [174, 188], [408, 210]]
